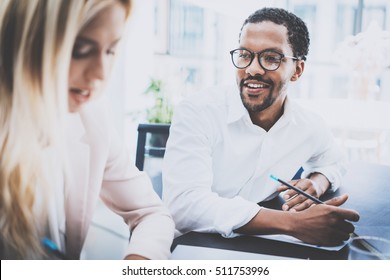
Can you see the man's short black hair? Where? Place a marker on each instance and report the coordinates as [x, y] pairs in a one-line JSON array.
[[298, 35]]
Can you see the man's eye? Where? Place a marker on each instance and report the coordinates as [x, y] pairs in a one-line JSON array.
[[271, 58], [245, 56]]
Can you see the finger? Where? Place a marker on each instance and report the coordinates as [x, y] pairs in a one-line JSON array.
[[303, 205], [289, 194], [290, 202], [337, 201], [282, 188], [335, 237], [302, 185], [346, 227], [340, 236], [348, 214], [298, 203]]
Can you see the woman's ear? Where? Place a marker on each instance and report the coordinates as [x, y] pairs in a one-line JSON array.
[[299, 67]]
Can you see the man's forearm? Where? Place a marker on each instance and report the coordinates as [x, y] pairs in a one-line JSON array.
[[269, 221]]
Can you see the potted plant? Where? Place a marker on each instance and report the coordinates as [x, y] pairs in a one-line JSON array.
[[160, 113], [162, 110]]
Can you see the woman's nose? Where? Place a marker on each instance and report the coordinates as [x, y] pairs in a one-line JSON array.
[[99, 68]]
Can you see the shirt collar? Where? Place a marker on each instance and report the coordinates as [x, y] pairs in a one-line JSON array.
[[288, 114]]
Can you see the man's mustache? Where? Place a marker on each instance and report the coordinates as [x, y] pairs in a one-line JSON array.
[[257, 78]]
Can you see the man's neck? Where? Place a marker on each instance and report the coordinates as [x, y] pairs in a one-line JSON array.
[[267, 118]]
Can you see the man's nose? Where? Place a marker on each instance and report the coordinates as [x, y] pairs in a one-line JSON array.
[[255, 68]]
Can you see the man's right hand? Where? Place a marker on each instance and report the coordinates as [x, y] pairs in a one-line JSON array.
[[325, 224]]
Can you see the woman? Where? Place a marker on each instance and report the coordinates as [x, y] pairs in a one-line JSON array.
[[54, 165]]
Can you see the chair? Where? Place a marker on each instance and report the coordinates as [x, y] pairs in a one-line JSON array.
[[297, 175], [150, 151]]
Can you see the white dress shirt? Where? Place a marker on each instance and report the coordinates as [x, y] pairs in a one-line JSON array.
[[218, 164]]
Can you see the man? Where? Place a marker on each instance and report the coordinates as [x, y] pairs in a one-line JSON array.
[[226, 142]]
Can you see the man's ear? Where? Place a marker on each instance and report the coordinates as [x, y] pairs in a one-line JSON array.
[[299, 67]]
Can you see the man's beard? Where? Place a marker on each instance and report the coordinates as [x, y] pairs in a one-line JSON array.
[[255, 108], [268, 100]]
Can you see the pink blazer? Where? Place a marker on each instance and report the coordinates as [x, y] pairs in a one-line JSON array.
[[100, 166]]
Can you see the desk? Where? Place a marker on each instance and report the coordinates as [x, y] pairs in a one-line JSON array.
[[368, 188]]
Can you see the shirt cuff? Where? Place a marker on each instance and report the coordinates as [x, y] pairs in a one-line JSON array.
[[333, 174], [226, 226]]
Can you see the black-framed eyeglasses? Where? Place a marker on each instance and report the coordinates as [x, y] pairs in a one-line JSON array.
[[268, 59]]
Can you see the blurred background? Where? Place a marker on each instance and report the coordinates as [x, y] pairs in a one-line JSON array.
[[185, 44], [173, 48]]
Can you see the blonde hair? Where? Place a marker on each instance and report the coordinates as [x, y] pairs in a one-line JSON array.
[[36, 41], [93, 7]]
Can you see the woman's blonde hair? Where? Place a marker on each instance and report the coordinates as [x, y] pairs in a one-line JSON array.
[[36, 41]]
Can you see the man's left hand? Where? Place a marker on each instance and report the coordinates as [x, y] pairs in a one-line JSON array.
[[316, 185]]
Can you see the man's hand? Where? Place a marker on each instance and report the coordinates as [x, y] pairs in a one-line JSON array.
[[295, 201], [322, 224], [316, 185], [325, 224]]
